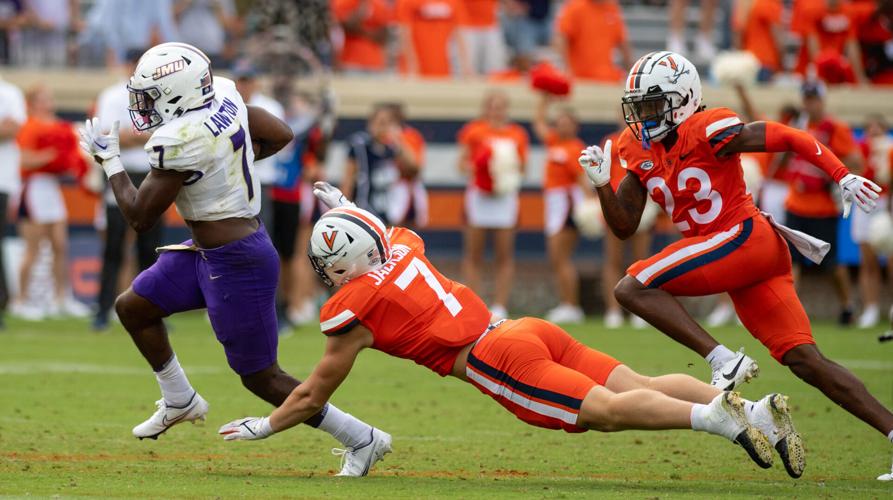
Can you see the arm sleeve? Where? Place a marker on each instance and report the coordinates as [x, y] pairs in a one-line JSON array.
[[781, 138]]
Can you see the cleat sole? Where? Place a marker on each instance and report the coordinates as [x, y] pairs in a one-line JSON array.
[[754, 442], [790, 447]]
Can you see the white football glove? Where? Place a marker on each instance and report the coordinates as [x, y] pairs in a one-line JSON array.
[[597, 164], [103, 147], [330, 196], [246, 429], [858, 189]]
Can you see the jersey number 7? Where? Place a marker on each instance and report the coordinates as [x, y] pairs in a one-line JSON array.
[[238, 140], [417, 266]]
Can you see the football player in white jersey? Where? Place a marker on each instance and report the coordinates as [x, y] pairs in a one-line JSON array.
[[204, 142]]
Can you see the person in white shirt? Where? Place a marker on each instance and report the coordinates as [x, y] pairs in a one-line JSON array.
[[111, 105], [12, 115]]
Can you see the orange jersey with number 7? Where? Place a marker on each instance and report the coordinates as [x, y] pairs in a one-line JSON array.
[[413, 311], [701, 192]]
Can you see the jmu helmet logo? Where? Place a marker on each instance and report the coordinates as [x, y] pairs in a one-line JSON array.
[[329, 238], [168, 69]]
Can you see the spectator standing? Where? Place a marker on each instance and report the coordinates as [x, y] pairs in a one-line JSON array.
[[810, 205], [483, 37], [48, 149], [409, 200], [125, 25], [874, 28], [367, 29], [373, 156], [205, 24], [564, 186], [758, 30], [44, 27], [615, 249], [429, 32], [877, 148], [487, 210], [12, 116], [832, 48], [589, 33], [10, 17], [705, 48], [527, 26], [295, 209], [112, 105]]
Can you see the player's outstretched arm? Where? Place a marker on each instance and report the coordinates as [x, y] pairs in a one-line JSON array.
[[310, 396], [268, 133], [773, 137], [622, 210]]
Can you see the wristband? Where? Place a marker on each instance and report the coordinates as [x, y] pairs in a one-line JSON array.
[[264, 427], [112, 166]]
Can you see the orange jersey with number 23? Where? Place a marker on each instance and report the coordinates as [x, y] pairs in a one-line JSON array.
[[701, 192], [412, 310]]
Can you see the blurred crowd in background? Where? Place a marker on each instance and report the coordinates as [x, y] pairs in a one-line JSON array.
[[839, 40], [835, 41]]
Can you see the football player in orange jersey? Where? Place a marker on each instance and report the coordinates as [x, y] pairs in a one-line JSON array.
[[686, 158], [391, 298]]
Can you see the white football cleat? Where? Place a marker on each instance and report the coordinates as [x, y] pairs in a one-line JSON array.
[[356, 462], [727, 417], [613, 319], [772, 417], [735, 372], [638, 323], [565, 314], [886, 477], [168, 416]]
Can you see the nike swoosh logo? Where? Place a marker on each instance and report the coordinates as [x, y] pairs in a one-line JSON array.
[[731, 374], [100, 146], [215, 277], [818, 149], [167, 423]]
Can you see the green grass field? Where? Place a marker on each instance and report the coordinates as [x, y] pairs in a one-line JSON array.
[[69, 399]]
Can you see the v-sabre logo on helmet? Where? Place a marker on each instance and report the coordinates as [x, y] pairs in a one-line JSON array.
[[329, 238], [168, 69]]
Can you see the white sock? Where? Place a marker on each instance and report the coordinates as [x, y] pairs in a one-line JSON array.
[[346, 428], [698, 422], [175, 387], [890, 436], [719, 356]]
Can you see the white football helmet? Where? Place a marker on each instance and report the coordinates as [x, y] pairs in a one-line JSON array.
[[169, 80], [347, 242], [662, 90]]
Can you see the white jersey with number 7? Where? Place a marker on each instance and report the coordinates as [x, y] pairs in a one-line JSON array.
[[214, 144]]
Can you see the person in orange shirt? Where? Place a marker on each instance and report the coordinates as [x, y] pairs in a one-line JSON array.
[[832, 50], [810, 206], [428, 29], [588, 33], [389, 297], [366, 25], [408, 198], [483, 38], [491, 201], [564, 187], [639, 245], [49, 150], [760, 32]]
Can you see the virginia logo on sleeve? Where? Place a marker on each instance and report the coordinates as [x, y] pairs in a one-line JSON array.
[[329, 238]]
